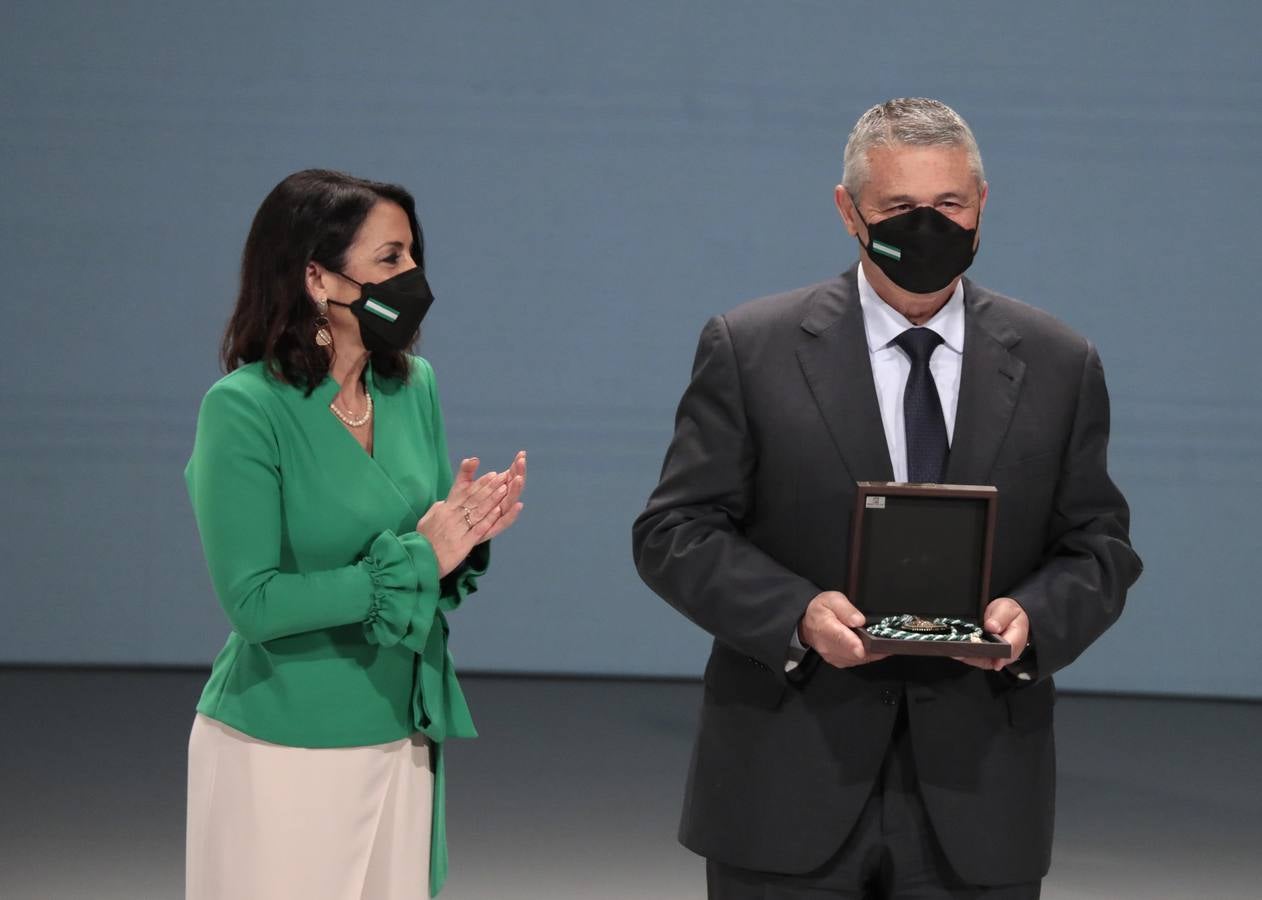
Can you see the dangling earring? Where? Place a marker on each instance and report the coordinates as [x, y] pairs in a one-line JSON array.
[[323, 337]]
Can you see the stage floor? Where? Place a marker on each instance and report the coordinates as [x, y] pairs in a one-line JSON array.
[[573, 791]]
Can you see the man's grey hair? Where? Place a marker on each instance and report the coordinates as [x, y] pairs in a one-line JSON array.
[[916, 121]]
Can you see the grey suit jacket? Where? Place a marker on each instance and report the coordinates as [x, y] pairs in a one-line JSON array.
[[751, 519]]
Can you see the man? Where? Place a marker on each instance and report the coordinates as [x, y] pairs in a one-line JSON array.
[[819, 770]]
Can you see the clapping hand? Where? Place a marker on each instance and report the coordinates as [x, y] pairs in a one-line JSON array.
[[474, 511], [510, 505]]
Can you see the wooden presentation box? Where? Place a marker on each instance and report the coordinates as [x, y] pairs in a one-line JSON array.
[[924, 550]]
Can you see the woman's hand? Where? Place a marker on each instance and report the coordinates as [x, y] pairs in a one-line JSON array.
[[468, 516], [510, 506]]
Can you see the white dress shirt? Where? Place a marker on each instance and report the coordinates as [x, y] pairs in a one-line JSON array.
[[891, 365]]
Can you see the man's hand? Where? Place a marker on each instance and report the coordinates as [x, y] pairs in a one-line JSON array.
[[826, 628], [1006, 619]]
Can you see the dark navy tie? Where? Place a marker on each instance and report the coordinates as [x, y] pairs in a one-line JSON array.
[[923, 423]]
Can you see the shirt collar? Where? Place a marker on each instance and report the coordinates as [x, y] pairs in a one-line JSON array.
[[883, 323]]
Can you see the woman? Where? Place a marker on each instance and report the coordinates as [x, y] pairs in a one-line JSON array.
[[336, 538]]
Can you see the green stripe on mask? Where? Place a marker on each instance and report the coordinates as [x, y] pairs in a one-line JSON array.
[[887, 250], [378, 308]]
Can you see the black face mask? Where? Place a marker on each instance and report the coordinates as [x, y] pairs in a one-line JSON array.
[[921, 251], [390, 313]]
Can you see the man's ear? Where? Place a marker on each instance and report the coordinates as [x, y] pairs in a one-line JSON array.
[[845, 207], [981, 207]]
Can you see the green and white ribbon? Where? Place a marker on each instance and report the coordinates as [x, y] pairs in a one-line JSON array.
[[378, 308], [887, 250], [960, 630]]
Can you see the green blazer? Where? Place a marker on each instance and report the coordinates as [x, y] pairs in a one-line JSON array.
[[339, 636]]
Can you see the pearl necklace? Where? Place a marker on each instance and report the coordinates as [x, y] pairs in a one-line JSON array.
[[350, 421]]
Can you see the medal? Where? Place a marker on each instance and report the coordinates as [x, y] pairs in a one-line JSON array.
[[916, 628], [924, 626]]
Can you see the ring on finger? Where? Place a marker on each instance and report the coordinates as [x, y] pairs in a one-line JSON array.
[[467, 520]]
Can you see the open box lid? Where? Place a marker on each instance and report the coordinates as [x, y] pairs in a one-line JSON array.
[[923, 549]]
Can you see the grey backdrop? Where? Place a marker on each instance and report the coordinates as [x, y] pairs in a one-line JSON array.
[[596, 180]]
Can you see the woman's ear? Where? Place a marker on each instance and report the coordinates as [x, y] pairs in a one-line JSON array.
[[316, 289]]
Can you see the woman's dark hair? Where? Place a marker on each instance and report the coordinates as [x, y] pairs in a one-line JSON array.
[[311, 215]]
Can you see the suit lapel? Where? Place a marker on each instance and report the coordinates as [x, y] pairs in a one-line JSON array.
[[990, 383], [835, 361]]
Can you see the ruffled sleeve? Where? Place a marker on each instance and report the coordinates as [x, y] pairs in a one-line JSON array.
[[407, 608], [406, 590], [464, 581]]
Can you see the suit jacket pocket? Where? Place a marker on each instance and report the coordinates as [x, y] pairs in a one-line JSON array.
[[1041, 465], [733, 677], [1030, 708]]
